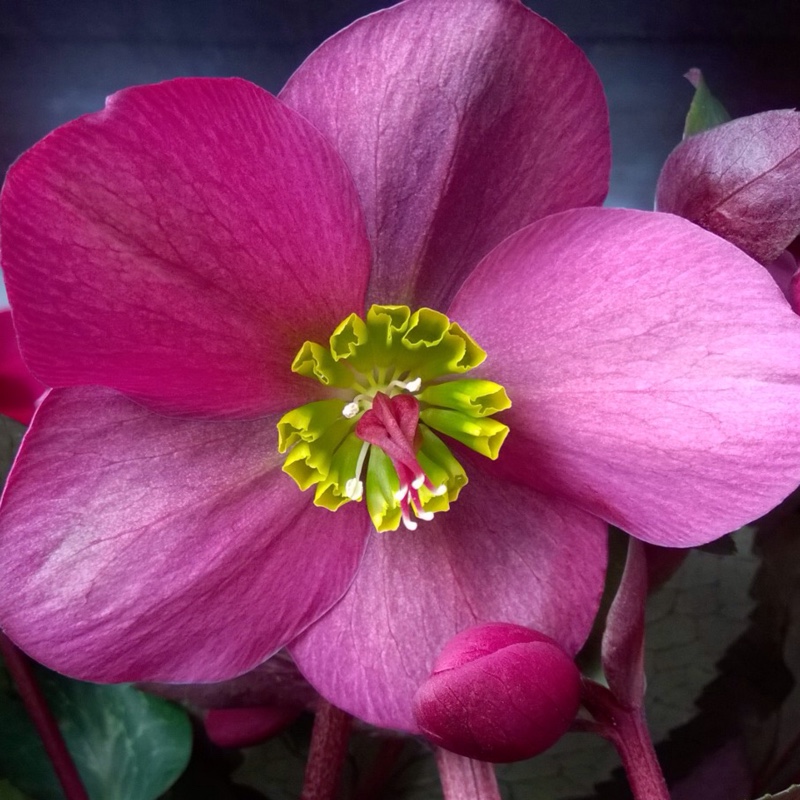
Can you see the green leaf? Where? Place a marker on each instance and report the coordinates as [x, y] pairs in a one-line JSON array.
[[705, 110], [276, 767], [9, 792], [127, 745]]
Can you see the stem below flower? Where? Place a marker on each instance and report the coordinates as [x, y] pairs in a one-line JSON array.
[[328, 751], [19, 668], [627, 730], [466, 779], [639, 758]]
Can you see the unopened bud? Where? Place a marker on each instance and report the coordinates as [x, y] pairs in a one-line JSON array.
[[242, 727], [499, 692]]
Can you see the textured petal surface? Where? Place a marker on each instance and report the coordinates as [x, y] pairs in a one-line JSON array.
[[180, 245], [654, 371], [502, 552], [140, 547], [739, 180], [19, 390], [461, 121]]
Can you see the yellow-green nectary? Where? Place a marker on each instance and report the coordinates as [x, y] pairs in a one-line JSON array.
[[394, 380]]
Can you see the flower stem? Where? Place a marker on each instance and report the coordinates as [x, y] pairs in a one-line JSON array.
[[328, 751], [465, 779], [19, 668], [626, 729], [635, 748]]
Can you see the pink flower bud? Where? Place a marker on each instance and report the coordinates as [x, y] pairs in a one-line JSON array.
[[242, 727], [499, 692]]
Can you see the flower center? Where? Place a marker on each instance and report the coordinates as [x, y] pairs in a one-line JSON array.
[[393, 382]]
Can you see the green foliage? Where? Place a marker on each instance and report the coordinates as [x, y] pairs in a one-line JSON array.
[[705, 110], [9, 792], [127, 745]]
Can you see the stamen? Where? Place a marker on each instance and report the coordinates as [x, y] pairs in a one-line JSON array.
[[425, 515], [412, 386], [438, 491], [354, 489], [361, 456], [401, 493], [351, 409], [419, 481], [405, 512]]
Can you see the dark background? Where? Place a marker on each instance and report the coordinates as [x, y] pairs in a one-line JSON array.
[[60, 59]]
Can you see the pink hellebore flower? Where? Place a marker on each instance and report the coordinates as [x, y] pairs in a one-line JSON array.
[[741, 180], [167, 259], [19, 390]]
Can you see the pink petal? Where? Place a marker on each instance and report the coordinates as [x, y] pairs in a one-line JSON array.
[[140, 547], [242, 727], [739, 180], [19, 390], [461, 121], [502, 552], [180, 246], [654, 371]]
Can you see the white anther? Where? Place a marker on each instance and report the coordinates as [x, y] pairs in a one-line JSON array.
[[354, 489], [426, 515], [410, 524], [408, 386], [418, 481], [351, 409], [401, 493], [439, 491]]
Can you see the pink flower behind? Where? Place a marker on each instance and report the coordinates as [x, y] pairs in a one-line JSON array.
[[168, 257], [739, 180]]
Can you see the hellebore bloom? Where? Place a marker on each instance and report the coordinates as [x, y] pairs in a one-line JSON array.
[[210, 275], [741, 180], [499, 692], [19, 390]]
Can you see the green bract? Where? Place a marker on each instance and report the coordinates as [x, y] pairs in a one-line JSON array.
[[392, 353]]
